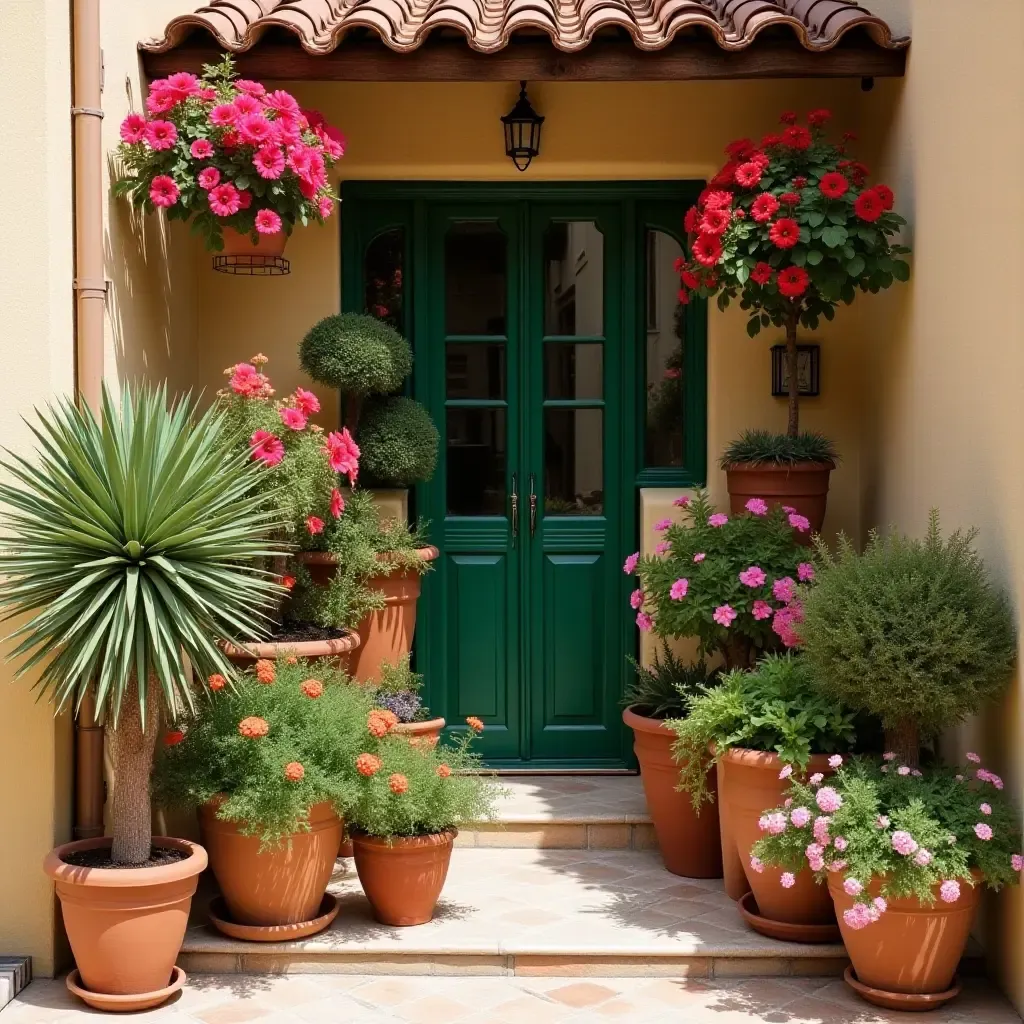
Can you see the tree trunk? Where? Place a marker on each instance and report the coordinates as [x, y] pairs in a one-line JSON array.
[[903, 740], [793, 427], [351, 408], [132, 745]]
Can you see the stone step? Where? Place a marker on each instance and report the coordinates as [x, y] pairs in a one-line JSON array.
[[566, 813], [611, 913]]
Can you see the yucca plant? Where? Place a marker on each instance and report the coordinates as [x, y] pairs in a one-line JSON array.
[[132, 541]]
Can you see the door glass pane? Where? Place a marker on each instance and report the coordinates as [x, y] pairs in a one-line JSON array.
[[475, 370], [573, 371], [663, 433], [573, 462], [476, 441], [382, 271], [574, 279], [475, 271]]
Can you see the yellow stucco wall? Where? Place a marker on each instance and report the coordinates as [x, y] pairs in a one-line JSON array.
[[948, 359]]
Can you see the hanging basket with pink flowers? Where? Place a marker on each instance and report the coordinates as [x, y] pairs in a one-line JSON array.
[[242, 163]]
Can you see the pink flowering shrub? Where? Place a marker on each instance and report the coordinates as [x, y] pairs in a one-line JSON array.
[[227, 153], [734, 582], [894, 835]]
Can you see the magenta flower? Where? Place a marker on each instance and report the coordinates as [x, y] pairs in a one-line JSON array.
[[266, 447], [800, 817], [757, 507], [161, 135], [293, 419], [201, 149], [306, 401], [662, 525], [282, 102], [268, 222], [983, 831], [662, 547], [923, 858], [636, 599], [949, 891], [224, 115], [985, 808], [314, 524], [724, 615], [225, 200], [163, 191], [209, 177], [788, 880], [247, 105], [718, 519], [678, 590], [325, 206], [1016, 862], [784, 589], [986, 776], [629, 566], [133, 128], [337, 503], [805, 572], [269, 161], [800, 523], [903, 843], [828, 800], [342, 453], [971, 756], [753, 576], [852, 887], [644, 622], [249, 87], [699, 557], [681, 502], [888, 756]]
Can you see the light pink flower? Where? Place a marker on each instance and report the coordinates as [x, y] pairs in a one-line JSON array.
[[754, 576], [799, 523], [959, 778], [777, 823], [266, 447], [821, 834], [629, 566], [724, 615], [644, 622], [718, 519], [161, 135], [923, 858], [881, 822], [636, 599], [816, 863], [681, 502], [1017, 862], [840, 843], [224, 115], [788, 802], [201, 149], [856, 917], [985, 808], [757, 865], [880, 905], [293, 419], [133, 129], [337, 503], [662, 525], [786, 772], [699, 557], [814, 851], [916, 774], [903, 843], [973, 757], [828, 800], [986, 776], [888, 756], [788, 880], [837, 865], [761, 610], [268, 161], [306, 401], [788, 508], [342, 453], [225, 200], [852, 887], [983, 831], [949, 891], [903, 770], [805, 572], [817, 778], [315, 525], [678, 589], [757, 507], [268, 222], [662, 547], [800, 817], [784, 589], [163, 191]]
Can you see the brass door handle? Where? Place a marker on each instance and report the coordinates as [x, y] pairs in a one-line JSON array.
[[515, 511], [533, 507]]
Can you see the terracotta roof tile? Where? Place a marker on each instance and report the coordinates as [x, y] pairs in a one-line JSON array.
[[403, 25]]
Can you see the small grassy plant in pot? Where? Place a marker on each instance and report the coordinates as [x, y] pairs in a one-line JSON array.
[[912, 631], [411, 800], [267, 764], [129, 545], [688, 837], [759, 727], [790, 228]]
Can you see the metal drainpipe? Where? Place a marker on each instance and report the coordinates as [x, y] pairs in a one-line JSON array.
[[90, 308]]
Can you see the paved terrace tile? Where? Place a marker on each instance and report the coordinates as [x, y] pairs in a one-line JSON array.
[[357, 999], [571, 800]]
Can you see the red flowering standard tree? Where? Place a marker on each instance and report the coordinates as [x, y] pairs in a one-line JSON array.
[[791, 228]]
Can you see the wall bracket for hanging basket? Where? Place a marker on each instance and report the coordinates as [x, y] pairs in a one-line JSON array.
[[252, 265]]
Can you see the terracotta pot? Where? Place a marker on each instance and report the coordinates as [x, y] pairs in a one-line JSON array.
[[339, 650], [403, 876], [750, 785], [803, 486], [126, 925], [237, 244], [732, 867], [421, 733], [284, 884], [911, 948], [690, 843]]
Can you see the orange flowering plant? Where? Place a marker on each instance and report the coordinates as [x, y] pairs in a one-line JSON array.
[[278, 739], [407, 788]]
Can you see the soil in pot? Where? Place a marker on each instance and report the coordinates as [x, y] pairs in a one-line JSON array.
[[126, 925], [403, 876], [750, 785], [690, 843], [803, 486], [283, 884], [911, 949]]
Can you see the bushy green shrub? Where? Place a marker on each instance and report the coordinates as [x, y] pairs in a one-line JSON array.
[[660, 690], [399, 691], [763, 447], [775, 707], [246, 740], [911, 630], [398, 441], [356, 353]]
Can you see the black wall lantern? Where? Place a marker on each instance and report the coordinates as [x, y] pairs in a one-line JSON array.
[[522, 131]]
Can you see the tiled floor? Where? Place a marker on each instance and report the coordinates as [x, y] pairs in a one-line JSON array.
[[354, 999], [614, 799]]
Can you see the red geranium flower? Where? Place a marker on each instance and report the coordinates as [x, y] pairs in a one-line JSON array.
[[797, 137], [678, 264], [715, 221], [764, 207], [748, 174], [785, 233], [294, 772], [707, 250], [691, 220], [398, 783], [869, 206], [717, 199], [793, 282], [475, 724], [787, 117], [368, 764], [312, 688], [726, 176], [265, 671], [820, 116], [173, 737], [683, 296], [799, 181], [315, 525], [762, 273], [216, 682], [859, 172], [770, 140], [886, 195], [789, 198], [443, 771], [253, 727], [833, 185], [288, 582], [690, 279], [740, 149]]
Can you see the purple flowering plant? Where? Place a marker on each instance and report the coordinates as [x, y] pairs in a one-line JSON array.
[[732, 581], [892, 831]]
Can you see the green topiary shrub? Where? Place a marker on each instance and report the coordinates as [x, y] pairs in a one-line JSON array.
[[398, 442], [358, 354]]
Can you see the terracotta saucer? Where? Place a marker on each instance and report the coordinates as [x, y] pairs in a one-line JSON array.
[[125, 1003], [906, 1001], [272, 932], [784, 930]]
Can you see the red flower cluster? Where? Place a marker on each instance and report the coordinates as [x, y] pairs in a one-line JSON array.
[[368, 765], [253, 728], [216, 682], [294, 772], [265, 671]]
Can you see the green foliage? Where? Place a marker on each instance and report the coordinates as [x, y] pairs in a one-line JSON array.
[[775, 707], [431, 803], [398, 443], [661, 689], [713, 582], [133, 541], [764, 446], [323, 734], [910, 630], [399, 691], [357, 354], [937, 809]]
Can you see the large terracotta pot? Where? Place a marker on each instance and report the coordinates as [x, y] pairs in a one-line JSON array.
[[237, 244], [734, 876], [421, 733], [283, 884], [403, 876], [911, 948], [340, 650], [690, 843], [750, 785], [803, 486], [125, 925]]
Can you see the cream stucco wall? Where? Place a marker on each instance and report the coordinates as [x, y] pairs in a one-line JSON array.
[[948, 361]]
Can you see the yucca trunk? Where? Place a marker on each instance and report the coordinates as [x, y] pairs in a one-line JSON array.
[[132, 747]]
